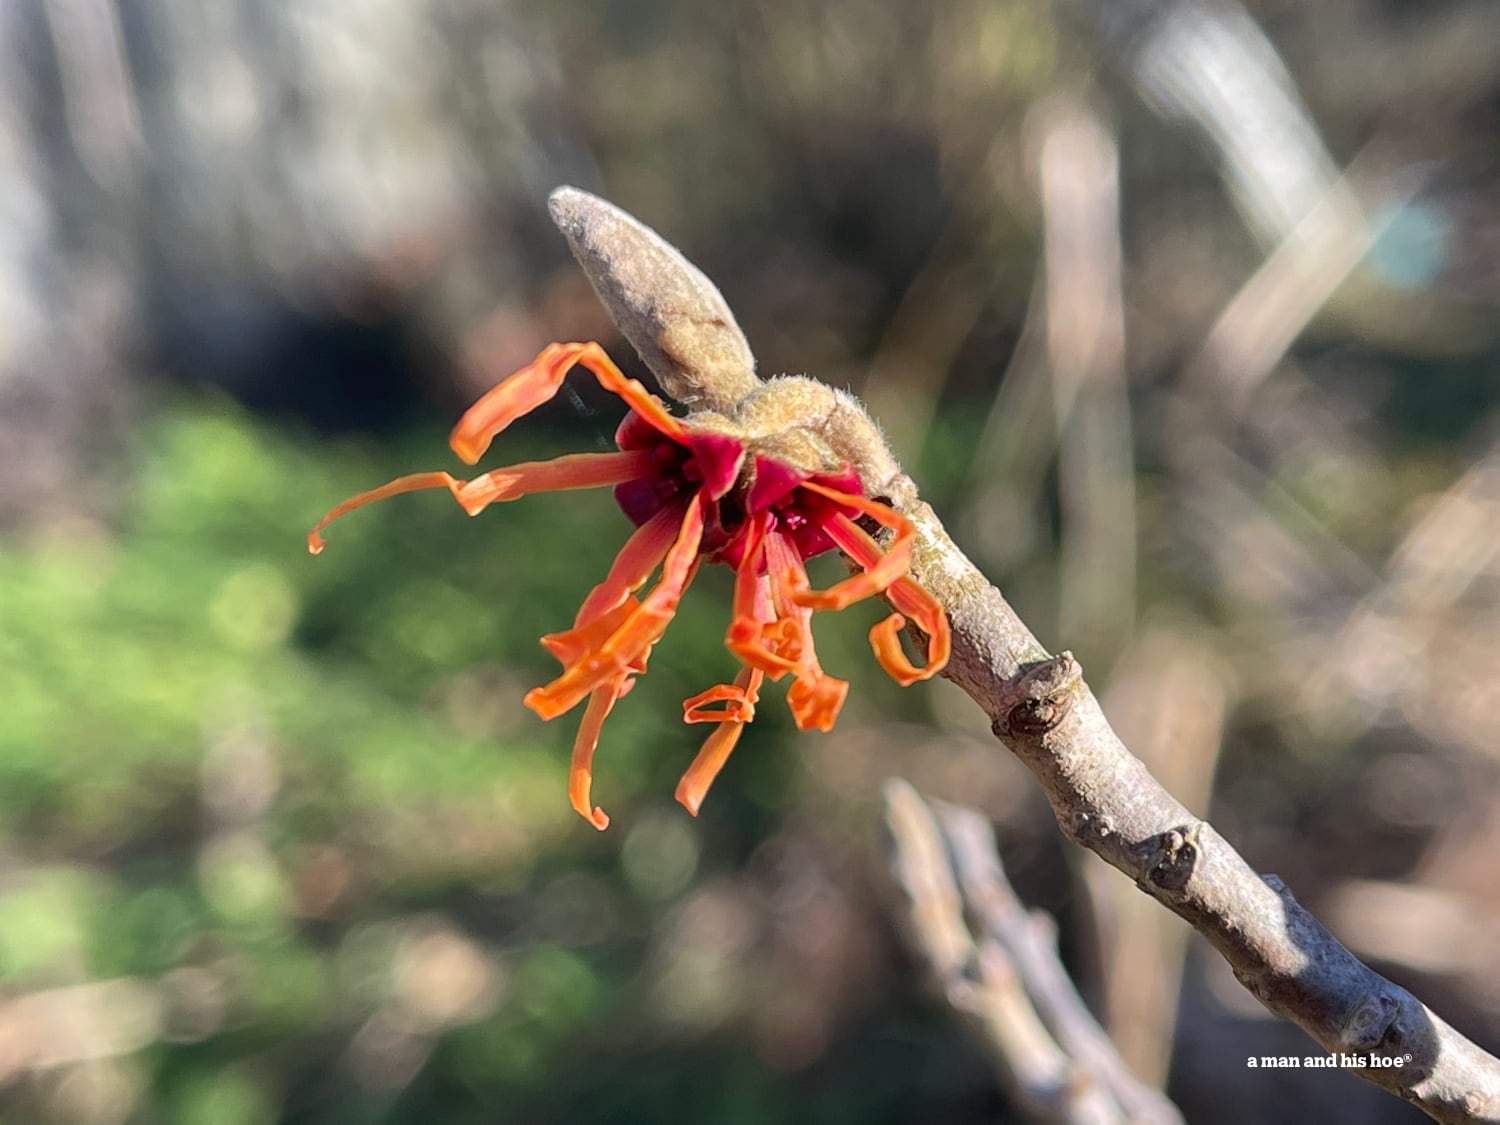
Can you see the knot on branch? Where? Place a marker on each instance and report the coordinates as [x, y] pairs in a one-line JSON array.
[[1174, 857], [1038, 698], [1371, 1022], [1476, 1104]]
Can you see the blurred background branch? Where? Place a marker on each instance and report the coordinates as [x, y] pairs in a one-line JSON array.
[[1002, 971]]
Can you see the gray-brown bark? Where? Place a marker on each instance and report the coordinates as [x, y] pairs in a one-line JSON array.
[[1040, 707]]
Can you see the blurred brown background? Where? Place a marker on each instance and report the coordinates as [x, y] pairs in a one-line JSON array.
[[1183, 315]]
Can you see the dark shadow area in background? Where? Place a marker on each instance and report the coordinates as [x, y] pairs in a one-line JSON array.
[[338, 370]]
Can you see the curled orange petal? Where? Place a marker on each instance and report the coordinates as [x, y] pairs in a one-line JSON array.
[[911, 599], [706, 766], [576, 470], [815, 699], [643, 553], [741, 696], [626, 649], [749, 607], [412, 482], [573, 644], [537, 383], [759, 633], [879, 567], [581, 768], [715, 750]]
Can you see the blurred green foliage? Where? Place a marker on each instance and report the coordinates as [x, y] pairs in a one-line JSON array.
[[261, 783]]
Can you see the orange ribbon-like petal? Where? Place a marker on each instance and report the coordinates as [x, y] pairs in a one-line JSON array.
[[627, 647], [577, 470], [537, 383], [716, 748], [880, 567], [581, 769], [643, 553], [914, 601], [884, 572], [412, 482]]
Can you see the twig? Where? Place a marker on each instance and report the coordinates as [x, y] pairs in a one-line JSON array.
[[1006, 981], [1256, 329], [1169, 703], [1041, 708], [1210, 65], [1106, 800]]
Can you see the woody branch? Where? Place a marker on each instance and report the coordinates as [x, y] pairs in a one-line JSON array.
[[1041, 708]]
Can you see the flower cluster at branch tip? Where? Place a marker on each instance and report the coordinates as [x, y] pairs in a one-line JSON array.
[[702, 487]]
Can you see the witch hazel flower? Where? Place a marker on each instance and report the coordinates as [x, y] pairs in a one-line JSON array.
[[759, 489]]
